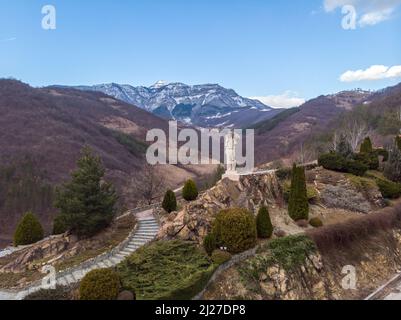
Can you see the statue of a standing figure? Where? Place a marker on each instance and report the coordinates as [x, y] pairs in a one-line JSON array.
[[230, 147]]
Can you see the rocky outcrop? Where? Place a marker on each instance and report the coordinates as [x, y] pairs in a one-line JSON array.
[[322, 276], [193, 222], [44, 249], [342, 191]]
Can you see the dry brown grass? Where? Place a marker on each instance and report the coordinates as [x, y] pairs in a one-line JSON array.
[[346, 233]]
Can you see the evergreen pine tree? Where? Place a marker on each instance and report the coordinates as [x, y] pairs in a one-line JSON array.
[[87, 203], [169, 202], [298, 206]]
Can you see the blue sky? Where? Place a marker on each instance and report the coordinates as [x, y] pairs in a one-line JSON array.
[[259, 48]]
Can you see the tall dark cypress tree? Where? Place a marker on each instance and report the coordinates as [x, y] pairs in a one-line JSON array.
[[87, 203], [298, 206]]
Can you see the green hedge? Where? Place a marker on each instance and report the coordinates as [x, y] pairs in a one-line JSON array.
[[235, 229], [336, 162]]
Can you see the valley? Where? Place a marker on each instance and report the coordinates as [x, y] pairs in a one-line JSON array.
[[57, 124]]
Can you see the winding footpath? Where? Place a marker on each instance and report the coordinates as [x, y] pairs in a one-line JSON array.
[[146, 230]]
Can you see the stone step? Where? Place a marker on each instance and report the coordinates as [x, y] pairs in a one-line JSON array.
[[115, 260], [70, 279], [121, 256], [143, 222], [140, 242], [144, 234], [102, 265], [78, 275], [143, 239], [153, 230], [108, 263], [62, 281], [133, 247], [127, 252]]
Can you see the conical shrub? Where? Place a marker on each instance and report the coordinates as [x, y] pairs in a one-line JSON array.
[[298, 206], [190, 191], [367, 146], [28, 231], [169, 202], [264, 224]]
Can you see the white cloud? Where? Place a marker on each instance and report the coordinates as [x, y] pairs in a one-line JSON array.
[[376, 72], [373, 18], [8, 39], [369, 12], [286, 100]]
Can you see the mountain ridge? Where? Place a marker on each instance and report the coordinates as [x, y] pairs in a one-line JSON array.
[[204, 105]]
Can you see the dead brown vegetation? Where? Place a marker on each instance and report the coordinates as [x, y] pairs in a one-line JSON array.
[[353, 230]]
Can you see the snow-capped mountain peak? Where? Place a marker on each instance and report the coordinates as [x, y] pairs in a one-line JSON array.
[[202, 105], [159, 84]]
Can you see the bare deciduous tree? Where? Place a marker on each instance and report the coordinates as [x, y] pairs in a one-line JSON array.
[[356, 131], [149, 184]]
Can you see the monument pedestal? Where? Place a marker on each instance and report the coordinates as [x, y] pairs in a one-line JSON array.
[[232, 175]]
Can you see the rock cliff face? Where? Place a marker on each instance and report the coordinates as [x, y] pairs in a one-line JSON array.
[[339, 198], [193, 222], [319, 277]]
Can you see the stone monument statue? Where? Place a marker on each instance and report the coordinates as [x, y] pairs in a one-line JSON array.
[[230, 149]]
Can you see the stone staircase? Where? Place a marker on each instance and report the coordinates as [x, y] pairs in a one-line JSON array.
[[146, 230]]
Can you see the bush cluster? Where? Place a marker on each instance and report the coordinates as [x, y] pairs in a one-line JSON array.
[[235, 229], [389, 189], [102, 284], [28, 231], [336, 162]]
